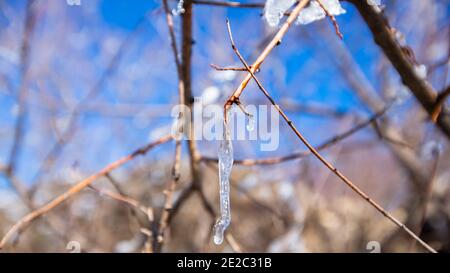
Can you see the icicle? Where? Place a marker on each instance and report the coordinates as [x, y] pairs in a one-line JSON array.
[[314, 11], [275, 9], [250, 122], [179, 9], [225, 165]]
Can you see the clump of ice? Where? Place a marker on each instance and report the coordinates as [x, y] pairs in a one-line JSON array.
[[374, 2], [400, 38], [275, 9], [314, 12], [210, 95], [223, 76], [421, 71], [179, 10]]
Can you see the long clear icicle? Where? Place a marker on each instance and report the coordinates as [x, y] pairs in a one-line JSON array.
[[225, 165]]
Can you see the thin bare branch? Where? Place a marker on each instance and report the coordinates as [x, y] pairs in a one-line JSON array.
[[25, 221], [276, 40], [218, 68], [163, 223], [400, 58], [121, 198], [439, 103], [22, 93], [57, 148], [332, 18]]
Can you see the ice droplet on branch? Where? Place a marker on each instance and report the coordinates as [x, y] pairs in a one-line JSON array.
[[275, 9], [250, 122], [314, 12], [179, 9], [374, 2], [225, 165]]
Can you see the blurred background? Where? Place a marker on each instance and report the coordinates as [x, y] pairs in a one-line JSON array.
[[83, 85]]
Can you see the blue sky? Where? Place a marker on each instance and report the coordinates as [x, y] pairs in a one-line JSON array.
[[297, 69]]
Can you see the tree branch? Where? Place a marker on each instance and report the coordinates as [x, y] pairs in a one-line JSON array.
[[25, 221], [325, 162], [400, 59]]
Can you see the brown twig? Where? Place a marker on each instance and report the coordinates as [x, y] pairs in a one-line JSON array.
[[163, 223], [276, 40], [428, 193], [368, 95], [331, 167], [19, 130], [297, 155], [401, 59], [25, 221], [439, 103], [22, 93], [121, 198], [218, 68], [332, 18], [184, 196], [313, 109]]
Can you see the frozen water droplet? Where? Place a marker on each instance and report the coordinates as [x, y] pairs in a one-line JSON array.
[[250, 123], [218, 233], [210, 95], [179, 9], [421, 71]]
